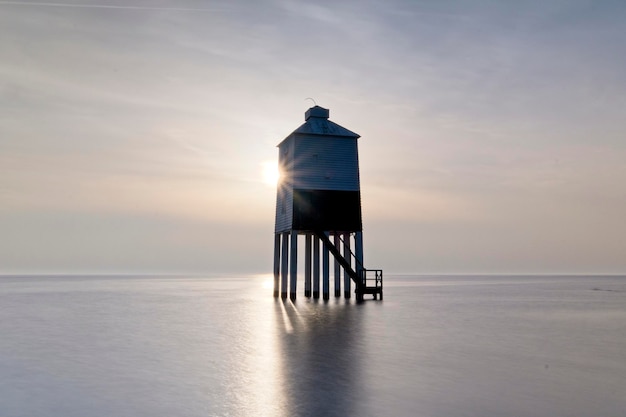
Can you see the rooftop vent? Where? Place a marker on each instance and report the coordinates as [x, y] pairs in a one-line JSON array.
[[316, 111]]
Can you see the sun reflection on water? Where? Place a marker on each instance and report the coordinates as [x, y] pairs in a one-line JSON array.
[[263, 364]]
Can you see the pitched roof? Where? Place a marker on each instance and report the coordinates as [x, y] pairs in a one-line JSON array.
[[317, 123]]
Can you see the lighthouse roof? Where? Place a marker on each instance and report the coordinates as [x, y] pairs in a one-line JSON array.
[[317, 123]]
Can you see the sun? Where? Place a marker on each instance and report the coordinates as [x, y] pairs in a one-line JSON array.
[[270, 173]]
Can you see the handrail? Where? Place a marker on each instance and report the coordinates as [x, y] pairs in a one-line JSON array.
[[352, 255], [342, 261], [361, 276], [378, 277]]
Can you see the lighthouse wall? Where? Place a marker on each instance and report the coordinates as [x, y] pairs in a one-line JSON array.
[[319, 187]]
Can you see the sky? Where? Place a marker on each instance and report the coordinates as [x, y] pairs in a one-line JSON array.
[[134, 134]]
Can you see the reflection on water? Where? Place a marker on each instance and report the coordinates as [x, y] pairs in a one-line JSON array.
[[320, 356], [436, 346]]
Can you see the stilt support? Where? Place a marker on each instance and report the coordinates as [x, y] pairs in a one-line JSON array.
[[284, 264], [366, 281], [276, 263], [326, 271], [316, 267], [307, 265], [348, 257], [336, 269], [293, 270]]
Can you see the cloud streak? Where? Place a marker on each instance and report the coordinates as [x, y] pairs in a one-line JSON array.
[[106, 6]]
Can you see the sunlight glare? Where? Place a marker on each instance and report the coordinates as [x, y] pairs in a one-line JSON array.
[[270, 173], [266, 281]]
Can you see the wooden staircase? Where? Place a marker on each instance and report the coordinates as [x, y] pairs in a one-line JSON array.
[[366, 281]]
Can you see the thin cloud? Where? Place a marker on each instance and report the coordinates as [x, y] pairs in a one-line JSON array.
[[105, 6]]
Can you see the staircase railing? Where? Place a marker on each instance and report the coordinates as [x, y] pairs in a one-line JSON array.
[[357, 262], [372, 276], [363, 278], [339, 258]]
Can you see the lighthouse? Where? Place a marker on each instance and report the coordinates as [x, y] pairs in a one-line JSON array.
[[319, 199]]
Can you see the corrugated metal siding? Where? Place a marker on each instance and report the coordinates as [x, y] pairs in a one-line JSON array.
[[284, 209], [284, 195], [325, 163], [317, 163]]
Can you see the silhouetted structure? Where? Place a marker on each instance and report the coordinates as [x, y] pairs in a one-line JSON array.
[[319, 196]]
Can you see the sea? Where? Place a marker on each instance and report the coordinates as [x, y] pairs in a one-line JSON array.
[[190, 345]]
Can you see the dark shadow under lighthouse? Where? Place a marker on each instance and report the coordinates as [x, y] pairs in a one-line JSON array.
[[319, 197]]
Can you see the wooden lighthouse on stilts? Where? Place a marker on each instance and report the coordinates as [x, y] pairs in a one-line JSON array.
[[319, 198]]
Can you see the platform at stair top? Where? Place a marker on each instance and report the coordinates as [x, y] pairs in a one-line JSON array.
[[372, 283]]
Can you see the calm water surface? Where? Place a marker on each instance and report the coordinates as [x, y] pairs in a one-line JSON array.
[[194, 346]]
